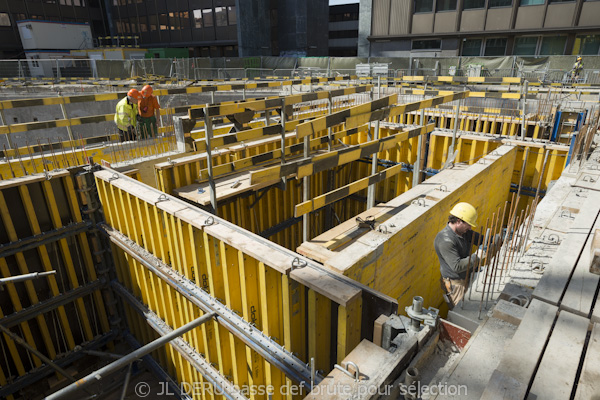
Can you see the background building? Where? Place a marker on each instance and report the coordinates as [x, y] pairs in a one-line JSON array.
[[91, 12], [206, 28], [343, 30], [394, 28]]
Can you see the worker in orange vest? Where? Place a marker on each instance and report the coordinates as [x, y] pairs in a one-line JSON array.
[[148, 113]]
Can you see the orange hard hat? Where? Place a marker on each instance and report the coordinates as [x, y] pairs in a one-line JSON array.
[[135, 94], [147, 91]]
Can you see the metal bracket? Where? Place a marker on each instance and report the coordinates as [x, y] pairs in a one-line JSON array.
[[208, 222], [298, 263], [589, 179], [419, 202], [566, 214], [417, 313], [161, 198], [383, 229], [113, 177], [344, 369], [368, 222], [442, 188]]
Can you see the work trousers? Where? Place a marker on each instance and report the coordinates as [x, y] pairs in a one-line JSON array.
[[454, 290], [148, 127]]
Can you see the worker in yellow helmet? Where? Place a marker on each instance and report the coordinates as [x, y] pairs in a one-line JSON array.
[[577, 68], [126, 115], [453, 247], [148, 113]]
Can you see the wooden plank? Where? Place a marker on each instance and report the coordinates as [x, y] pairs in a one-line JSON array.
[[525, 348], [581, 291], [589, 380], [556, 373], [556, 276]]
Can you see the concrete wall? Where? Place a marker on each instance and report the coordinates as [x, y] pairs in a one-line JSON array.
[[497, 18], [560, 15], [422, 23], [403, 263], [303, 27], [445, 21], [530, 17], [254, 27], [472, 21], [589, 13], [364, 28]]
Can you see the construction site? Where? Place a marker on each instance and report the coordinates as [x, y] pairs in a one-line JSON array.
[[275, 238]]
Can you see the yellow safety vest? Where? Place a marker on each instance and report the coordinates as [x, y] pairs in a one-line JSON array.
[[125, 114]]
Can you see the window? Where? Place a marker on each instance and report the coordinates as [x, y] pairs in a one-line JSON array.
[[197, 18], [560, 1], [554, 45], [207, 17], [343, 34], [221, 16], [34, 62], [525, 46], [590, 45], [4, 19], [163, 22], [532, 2], [184, 19], [231, 17], [143, 24], [469, 4], [174, 21], [422, 6], [152, 22], [472, 47], [435, 44], [445, 5], [500, 3], [495, 47]]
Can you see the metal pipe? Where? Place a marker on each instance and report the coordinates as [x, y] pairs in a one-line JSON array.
[[42, 357], [455, 131], [129, 358], [497, 255], [25, 277], [103, 354], [523, 126], [127, 376], [209, 165]]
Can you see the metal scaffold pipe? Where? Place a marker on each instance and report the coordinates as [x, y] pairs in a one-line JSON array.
[[25, 277], [131, 357]]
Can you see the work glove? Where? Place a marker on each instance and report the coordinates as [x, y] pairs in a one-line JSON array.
[[138, 117]]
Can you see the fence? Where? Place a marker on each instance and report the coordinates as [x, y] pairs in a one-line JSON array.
[[554, 69]]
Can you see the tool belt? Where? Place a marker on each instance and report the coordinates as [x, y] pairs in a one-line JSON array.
[[448, 284]]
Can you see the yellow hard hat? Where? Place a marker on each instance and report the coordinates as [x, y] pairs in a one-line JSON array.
[[466, 212], [579, 58]]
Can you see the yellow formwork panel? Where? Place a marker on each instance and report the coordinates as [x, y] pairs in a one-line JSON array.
[[246, 277], [113, 153], [32, 206], [404, 265]]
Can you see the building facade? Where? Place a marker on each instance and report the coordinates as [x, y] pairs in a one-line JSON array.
[[91, 12], [343, 30], [207, 28], [394, 28]]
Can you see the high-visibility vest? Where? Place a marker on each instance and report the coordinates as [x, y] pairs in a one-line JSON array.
[[125, 114]]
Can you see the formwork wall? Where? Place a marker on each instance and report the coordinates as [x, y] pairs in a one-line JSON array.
[[306, 311], [400, 260], [43, 229]]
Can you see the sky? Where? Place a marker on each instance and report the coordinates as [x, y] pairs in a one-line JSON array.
[[336, 2]]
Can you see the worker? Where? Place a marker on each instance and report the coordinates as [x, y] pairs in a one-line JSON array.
[[148, 113], [453, 247], [126, 115], [577, 69]]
